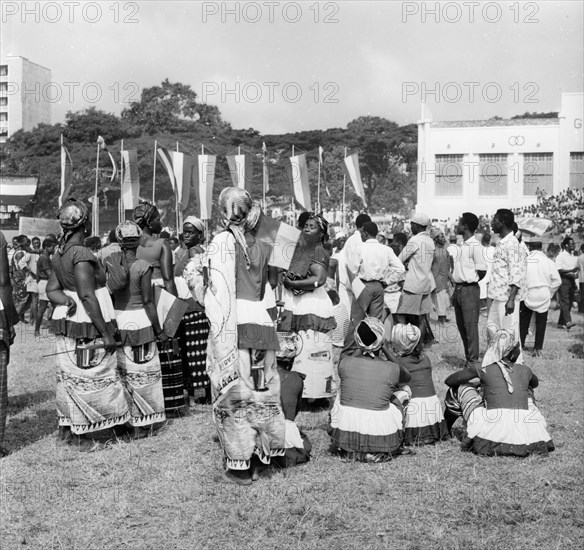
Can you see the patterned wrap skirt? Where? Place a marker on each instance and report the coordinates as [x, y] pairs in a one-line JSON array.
[[139, 367], [89, 398]]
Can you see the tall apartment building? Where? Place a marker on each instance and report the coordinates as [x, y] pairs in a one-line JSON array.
[[24, 95]]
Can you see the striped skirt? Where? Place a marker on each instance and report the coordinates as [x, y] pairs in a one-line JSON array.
[[193, 333], [172, 375]]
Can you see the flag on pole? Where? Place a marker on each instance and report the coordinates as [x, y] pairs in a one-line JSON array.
[[166, 159], [321, 161], [203, 184], [103, 147], [241, 170], [351, 166], [66, 175], [131, 180], [282, 239], [266, 175], [299, 178], [183, 166]]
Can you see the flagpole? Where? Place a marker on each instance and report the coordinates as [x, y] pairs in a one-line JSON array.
[[95, 209], [154, 172], [176, 201], [293, 205], [264, 178], [344, 197], [62, 180], [318, 187], [120, 204]]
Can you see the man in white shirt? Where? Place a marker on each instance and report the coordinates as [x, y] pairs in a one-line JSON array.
[[469, 268], [567, 265], [415, 302], [542, 280], [379, 267], [349, 259]]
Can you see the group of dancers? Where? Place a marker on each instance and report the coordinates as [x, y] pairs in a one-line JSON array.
[[143, 330]]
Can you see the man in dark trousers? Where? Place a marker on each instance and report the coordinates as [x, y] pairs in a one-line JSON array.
[[469, 267]]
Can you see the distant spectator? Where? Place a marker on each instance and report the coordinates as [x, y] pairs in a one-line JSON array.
[[93, 243], [581, 278], [567, 266]]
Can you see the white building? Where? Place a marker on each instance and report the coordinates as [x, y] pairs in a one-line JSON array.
[[24, 95], [483, 165]]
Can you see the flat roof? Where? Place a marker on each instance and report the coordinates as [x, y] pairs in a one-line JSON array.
[[496, 122]]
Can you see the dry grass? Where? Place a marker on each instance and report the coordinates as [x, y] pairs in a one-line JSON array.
[[159, 493]]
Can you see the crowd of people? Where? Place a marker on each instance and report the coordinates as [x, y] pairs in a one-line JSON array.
[[149, 324]]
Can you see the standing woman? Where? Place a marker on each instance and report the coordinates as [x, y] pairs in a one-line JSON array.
[[90, 394], [194, 328], [158, 253], [139, 329], [308, 309]]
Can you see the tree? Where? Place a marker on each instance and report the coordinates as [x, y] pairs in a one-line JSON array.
[[170, 107], [87, 125]]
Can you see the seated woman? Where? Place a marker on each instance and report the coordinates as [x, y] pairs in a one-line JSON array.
[[424, 421], [506, 422], [139, 327], [367, 417]]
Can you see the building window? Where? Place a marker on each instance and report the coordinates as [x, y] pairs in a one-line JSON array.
[[448, 176], [538, 173], [3, 70], [577, 171], [493, 175], [3, 101], [3, 86], [3, 117]]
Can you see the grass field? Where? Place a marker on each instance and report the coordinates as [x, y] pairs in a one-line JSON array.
[[159, 493]]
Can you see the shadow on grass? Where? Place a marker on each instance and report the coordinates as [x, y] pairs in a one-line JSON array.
[[578, 348], [30, 422], [453, 362], [17, 403]]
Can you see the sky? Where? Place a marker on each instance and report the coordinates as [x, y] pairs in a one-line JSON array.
[[291, 66]]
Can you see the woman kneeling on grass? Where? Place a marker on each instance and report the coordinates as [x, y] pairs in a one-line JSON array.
[[505, 420], [90, 393], [367, 417], [424, 422], [139, 330]]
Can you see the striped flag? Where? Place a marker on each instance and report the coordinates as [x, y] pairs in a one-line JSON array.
[[203, 184], [66, 175], [103, 147], [266, 175], [183, 166], [351, 166], [166, 159], [241, 170], [131, 181], [299, 177]]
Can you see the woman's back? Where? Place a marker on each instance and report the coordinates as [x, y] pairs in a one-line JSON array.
[[130, 297], [367, 383], [150, 249], [420, 369], [496, 392]]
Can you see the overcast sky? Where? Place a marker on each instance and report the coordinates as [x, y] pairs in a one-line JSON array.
[[373, 58]]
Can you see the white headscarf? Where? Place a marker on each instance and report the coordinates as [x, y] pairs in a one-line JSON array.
[[501, 344]]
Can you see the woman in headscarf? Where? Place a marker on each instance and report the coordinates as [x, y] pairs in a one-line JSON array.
[[139, 330], [90, 393], [505, 419], [157, 252], [308, 310], [367, 417], [424, 421], [193, 330], [242, 342]]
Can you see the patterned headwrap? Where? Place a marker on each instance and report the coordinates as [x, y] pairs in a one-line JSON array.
[[378, 329], [72, 216], [235, 205], [144, 213], [501, 344], [322, 224], [405, 338], [196, 223], [434, 232], [128, 234]]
